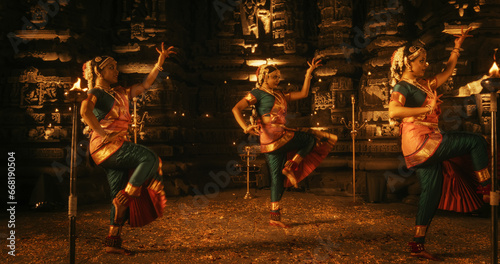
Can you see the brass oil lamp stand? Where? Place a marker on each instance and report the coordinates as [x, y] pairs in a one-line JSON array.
[[354, 126], [137, 125]]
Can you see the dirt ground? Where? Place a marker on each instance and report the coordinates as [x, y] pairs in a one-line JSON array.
[[225, 228]]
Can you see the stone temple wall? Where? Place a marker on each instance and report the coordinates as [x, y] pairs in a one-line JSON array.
[[220, 43]]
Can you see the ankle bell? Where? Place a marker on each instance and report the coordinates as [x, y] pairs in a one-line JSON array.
[[416, 247], [113, 241], [276, 215]]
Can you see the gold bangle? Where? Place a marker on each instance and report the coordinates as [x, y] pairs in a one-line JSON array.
[[430, 109], [455, 51], [157, 66]]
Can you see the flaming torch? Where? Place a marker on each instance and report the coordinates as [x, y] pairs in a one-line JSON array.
[[491, 85], [75, 95]]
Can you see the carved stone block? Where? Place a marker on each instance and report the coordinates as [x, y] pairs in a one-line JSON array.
[[375, 115], [341, 83], [37, 89], [375, 93], [137, 31], [46, 153], [323, 100]]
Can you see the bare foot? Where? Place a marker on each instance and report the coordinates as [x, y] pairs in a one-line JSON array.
[[278, 224], [119, 251], [426, 255], [291, 176], [332, 139]]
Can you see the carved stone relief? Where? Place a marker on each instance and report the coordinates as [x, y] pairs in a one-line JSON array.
[[38, 118], [252, 13], [137, 31], [323, 100], [375, 115], [56, 118], [341, 83], [46, 153], [375, 93], [281, 19], [37, 89], [155, 119], [153, 97]]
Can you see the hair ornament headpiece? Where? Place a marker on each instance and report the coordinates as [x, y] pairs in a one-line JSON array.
[[261, 73]]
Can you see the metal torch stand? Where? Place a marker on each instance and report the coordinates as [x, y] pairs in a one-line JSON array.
[[76, 96], [134, 120], [72, 203], [493, 193]]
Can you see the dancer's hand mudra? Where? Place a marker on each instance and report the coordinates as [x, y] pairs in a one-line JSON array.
[[252, 129], [164, 53], [313, 65]]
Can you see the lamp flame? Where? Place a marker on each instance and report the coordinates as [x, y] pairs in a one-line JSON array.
[[494, 71], [77, 86]]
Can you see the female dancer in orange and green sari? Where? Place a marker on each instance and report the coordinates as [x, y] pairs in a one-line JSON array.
[[289, 152], [138, 196], [427, 149]]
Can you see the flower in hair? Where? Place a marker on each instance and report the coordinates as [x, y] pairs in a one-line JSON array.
[[397, 63], [261, 73], [87, 70]]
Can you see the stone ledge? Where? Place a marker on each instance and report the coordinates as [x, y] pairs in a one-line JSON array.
[[334, 161], [389, 163], [385, 163]]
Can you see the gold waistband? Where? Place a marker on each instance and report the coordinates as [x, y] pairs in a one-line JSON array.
[[427, 124], [273, 125]]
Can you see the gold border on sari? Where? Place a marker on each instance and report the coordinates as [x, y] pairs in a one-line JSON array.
[[426, 151], [104, 152], [160, 167], [427, 124], [287, 136], [115, 230], [483, 175], [297, 158], [250, 98], [420, 230], [133, 190], [156, 185], [93, 98], [398, 97]]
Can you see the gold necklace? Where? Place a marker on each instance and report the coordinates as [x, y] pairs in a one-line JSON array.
[[281, 100], [271, 92], [108, 92], [424, 89]]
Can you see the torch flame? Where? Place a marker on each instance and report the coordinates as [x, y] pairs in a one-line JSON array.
[[494, 71], [77, 86]]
